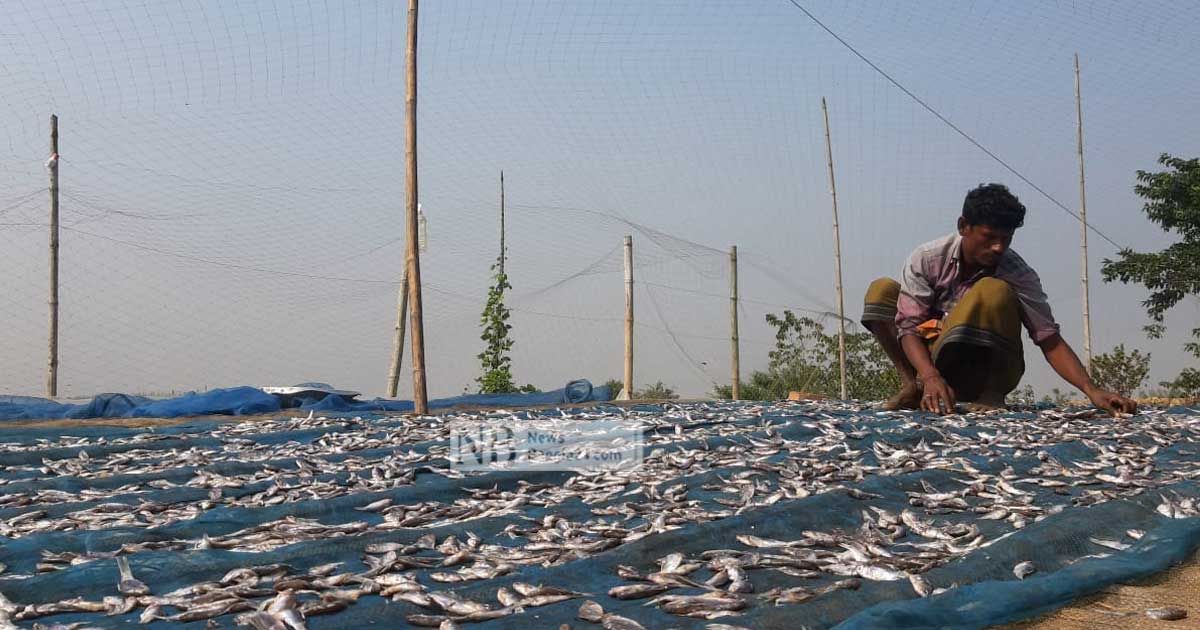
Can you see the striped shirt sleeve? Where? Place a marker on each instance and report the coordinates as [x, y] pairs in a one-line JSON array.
[[1035, 306], [915, 304]]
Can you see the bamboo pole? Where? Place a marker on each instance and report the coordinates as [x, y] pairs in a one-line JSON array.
[[503, 251], [733, 324], [398, 336], [52, 164], [1087, 315], [413, 262], [627, 387], [837, 255]]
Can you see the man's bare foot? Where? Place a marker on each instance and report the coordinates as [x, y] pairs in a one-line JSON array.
[[909, 397]]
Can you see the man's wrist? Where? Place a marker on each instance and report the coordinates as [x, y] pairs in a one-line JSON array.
[[931, 373]]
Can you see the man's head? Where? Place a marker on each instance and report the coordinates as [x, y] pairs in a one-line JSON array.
[[990, 215]]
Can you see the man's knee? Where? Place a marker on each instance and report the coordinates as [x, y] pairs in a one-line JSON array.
[[883, 291], [994, 291], [879, 304]]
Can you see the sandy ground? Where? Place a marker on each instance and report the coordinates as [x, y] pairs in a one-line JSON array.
[[1178, 587]]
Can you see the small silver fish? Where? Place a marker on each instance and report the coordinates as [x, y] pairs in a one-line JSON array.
[[1169, 613], [1024, 569], [1111, 544], [637, 591], [375, 506], [617, 622], [591, 611], [129, 585], [920, 585], [795, 595]]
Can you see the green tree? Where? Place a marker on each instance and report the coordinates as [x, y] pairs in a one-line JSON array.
[[805, 358], [1172, 200], [1186, 385], [657, 391], [1120, 371], [496, 364]]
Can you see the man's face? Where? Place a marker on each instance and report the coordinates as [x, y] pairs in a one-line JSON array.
[[983, 245]]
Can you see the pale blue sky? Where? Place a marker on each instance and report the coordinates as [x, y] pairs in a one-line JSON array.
[[233, 174]]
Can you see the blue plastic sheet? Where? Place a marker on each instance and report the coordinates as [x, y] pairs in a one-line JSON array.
[[982, 589], [241, 401]]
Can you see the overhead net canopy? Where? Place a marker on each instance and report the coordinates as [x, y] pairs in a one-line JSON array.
[[232, 178]]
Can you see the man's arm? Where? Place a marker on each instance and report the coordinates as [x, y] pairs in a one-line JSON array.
[[914, 306], [1063, 359], [938, 396]]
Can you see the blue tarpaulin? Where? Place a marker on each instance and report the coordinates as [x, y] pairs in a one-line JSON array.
[[241, 401], [798, 493]]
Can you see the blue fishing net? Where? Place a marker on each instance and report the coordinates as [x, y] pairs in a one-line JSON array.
[[1117, 475]]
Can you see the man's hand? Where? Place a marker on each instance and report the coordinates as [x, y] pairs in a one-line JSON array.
[[938, 396], [1110, 402]]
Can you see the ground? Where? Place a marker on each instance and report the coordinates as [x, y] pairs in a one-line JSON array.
[[1179, 587]]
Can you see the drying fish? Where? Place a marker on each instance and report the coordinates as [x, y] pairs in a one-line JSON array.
[[688, 604], [617, 622], [1111, 544], [637, 591], [794, 595], [128, 584], [704, 462], [755, 541], [1024, 569], [920, 585], [1167, 614], [375, 506], [591, 611]]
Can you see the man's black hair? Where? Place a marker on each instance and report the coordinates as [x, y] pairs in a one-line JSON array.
[[993, 205]]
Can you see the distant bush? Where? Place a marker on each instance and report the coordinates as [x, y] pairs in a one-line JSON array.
[[805, 359], [657, 391], [1119, 371]]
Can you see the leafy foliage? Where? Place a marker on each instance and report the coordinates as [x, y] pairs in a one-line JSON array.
[[496, 364], [615, 385], [1119, 371], [1186, 385], [1021, 396], [657, 391], [1173, 202], [1056, 397], [805, 359]]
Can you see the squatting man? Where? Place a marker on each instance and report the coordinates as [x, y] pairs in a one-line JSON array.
[[952, 323]]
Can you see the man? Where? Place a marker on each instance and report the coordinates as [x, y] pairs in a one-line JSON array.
[[952, 324]]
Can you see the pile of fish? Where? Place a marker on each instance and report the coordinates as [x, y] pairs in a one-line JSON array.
[[736, 512]]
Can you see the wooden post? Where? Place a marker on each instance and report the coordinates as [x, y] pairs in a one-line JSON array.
[[52, 164], [503, 252], [733, 324], [627, 387], [398, 336], [413, 262], [1087, 316], [837, 255]]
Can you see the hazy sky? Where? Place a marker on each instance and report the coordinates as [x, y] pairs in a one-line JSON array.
[[232, 175]]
